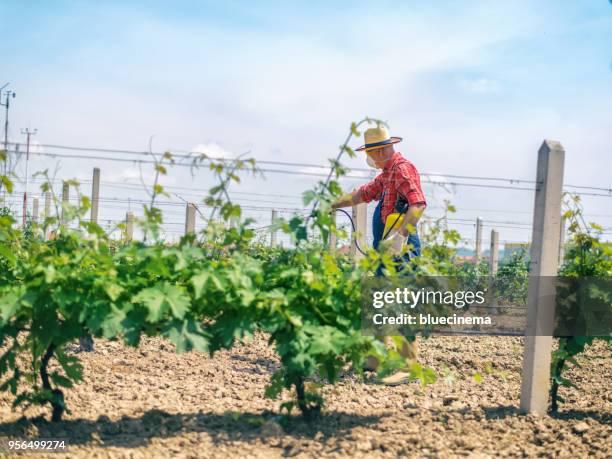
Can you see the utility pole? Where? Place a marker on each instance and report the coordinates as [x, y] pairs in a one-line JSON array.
[[29, 134], [6, 104]]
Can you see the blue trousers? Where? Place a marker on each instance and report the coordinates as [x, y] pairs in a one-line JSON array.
[[378, 228]]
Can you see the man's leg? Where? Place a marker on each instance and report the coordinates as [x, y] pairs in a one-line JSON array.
[[409, 350], [378, 227]]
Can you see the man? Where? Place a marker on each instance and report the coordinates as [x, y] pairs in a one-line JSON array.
[[398, 183]]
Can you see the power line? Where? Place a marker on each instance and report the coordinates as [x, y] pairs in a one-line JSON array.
[[138, 186], [284, 171], [159, 202], [190, 155], [183, 154], [609, 190], [193, 192]]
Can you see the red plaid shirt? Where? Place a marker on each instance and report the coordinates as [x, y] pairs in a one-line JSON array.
[[399, 176]]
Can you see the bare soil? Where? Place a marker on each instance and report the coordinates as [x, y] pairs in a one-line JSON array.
[[150, 402]]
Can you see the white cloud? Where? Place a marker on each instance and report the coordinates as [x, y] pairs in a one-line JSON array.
[[213, 150], [134, 175]]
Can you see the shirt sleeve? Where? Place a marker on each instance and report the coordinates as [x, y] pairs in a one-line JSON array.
[[373, 190], [408, 184]]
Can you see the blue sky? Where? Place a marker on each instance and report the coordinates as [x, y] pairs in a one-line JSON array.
[[473, 87]]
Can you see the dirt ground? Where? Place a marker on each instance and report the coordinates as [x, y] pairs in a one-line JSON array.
[[150, 402]]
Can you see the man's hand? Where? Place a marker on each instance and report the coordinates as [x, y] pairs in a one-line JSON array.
[[348, 199], [394, 244]]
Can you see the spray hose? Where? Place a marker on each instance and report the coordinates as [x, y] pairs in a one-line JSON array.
[[355, 228]]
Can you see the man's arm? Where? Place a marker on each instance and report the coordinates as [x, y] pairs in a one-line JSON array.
[[408, 185], [395, 242], [365, 193], [349, 199], [411, 219]]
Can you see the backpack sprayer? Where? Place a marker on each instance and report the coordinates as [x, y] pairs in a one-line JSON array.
[[397, 217], [393, 220]]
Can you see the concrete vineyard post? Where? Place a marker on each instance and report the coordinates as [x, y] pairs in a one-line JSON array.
[[360, 218], [478, 242], [562, 242], [24, 210], [129, 226], [493, 263], [422, 228], [333, 239], [65, 200], [273, 231], [95, 195], [35, 210], [190, 214], [86, 342], [535, 382], [494, 258], [47, 212]]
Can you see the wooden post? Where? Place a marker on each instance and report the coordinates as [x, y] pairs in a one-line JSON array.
[[35, 210], [333, 239], [360, 219], [494, 258], [478, 243], [65, 200], [273, 232], [129, 226], [541, 293], [95, 194], [562, 242], [190, 211]]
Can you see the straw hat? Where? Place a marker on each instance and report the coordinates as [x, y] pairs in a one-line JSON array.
[[378, 137]]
